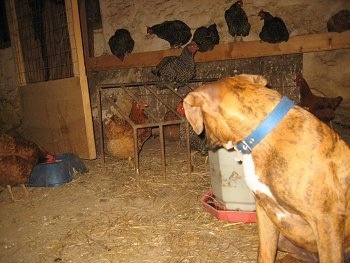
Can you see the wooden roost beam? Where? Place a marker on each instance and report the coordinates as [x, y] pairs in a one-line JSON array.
[[246, 49]]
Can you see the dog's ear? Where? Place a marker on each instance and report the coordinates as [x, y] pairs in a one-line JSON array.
[[255, 79], [192, 106]]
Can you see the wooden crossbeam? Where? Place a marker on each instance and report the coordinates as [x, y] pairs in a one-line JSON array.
[[234, 50]]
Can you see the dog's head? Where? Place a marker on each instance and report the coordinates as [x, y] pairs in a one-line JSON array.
[[230, 108]]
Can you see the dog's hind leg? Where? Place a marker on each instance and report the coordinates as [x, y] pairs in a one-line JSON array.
[[329, 233]]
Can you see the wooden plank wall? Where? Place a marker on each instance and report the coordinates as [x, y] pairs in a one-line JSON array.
[[53, 116]]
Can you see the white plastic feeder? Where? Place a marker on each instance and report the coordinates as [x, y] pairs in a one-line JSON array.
[[227, 181]]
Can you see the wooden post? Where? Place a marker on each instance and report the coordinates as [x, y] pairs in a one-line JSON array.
[[16, 42]]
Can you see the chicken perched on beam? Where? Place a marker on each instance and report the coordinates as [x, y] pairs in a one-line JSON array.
[[206, 37], [322, 107], [339, 22], [176, 32], [121, 43], [274, 29], [237, 20], [176, 71]]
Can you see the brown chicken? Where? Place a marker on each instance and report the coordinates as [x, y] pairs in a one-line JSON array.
[[18, 156], [119, 133], [322, 107]]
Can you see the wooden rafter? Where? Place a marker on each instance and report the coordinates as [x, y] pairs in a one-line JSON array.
[[248, 49]]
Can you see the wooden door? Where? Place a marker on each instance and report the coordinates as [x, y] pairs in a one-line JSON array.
[[56, 107]]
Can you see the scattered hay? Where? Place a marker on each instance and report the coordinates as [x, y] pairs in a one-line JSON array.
[[111, 215]]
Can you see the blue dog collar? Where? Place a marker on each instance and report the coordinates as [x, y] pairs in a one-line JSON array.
[[245, 146]]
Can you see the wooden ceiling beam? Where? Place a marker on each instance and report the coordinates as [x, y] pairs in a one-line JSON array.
[[234, 50]]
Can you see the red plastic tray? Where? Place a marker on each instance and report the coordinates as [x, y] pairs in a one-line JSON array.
[[218, 210]]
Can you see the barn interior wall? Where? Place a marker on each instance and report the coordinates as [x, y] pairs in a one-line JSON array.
[[322, 70], [301, 18]]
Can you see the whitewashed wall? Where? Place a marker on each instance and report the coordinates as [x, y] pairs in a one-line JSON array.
[[301, 17], [323, 70]]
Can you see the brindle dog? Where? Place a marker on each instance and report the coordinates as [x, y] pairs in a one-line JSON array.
[[299, 172]]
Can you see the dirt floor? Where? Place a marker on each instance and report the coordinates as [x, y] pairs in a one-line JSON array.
[[111, 215]]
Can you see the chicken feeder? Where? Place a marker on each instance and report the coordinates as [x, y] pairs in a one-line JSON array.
[[229, 198], [227, 181], [56, 173]]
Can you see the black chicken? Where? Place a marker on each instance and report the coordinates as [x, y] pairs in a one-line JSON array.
[[176, 32], [175, 71], [274, 30], [206, 37], [339, 22], [237, 20], [121, 43]]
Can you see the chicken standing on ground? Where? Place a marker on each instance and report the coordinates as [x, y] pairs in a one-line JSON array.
[[176, 32], [18, 157], [237, 20], [176, 71], [322, 107], [339, 22], [198, 143], [121, 43], [206, 37], [120, 136], [274, 29], [15, 170]]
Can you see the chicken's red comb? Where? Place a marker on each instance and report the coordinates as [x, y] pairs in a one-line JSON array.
[[180, 109], [141, 103]]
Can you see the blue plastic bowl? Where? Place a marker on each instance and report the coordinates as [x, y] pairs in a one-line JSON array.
[[75, 164], [57, 173]]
